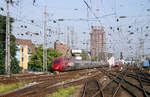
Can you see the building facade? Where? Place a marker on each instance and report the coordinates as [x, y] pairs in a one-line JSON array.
[[76, 54], [98, 42], [24, 52], [63, 49]]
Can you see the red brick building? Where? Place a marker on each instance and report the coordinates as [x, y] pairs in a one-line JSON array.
[[63, 49], [98, 41]]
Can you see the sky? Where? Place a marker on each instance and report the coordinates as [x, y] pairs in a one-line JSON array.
[[123, 34]]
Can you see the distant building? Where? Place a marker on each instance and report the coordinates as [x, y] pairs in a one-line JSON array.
[[76, 54], [25, 49], [110, 59], [63, 49], [98, 42]]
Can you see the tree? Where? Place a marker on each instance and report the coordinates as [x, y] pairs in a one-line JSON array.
[[84, 55], [96, 59], [36, 62], [14, 63]]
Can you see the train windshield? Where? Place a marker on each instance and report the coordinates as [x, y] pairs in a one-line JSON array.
[[56, 61]]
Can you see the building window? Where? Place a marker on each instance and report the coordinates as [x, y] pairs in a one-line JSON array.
[[22, 59], [22, 49], [29, 58], [29, 50]]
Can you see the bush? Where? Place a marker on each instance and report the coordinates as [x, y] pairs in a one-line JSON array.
[[64, 92], [36, 62], [77, 76], [8, 87], [148, 68]]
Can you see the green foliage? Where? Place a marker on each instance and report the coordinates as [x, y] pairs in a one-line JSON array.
[[55, 73], [96, 59], [77, 76], [15, 68], [14, 63], [64, 92], [2, 44], [148, 68], [36, 62], [8, 87], [84, 55]]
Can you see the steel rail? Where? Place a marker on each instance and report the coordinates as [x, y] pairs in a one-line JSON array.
[[115, 80], [144, 76], [84, 91], [105, 85], [44, 85], [101, 92], [99, 89], [133, 76], [120, 83], [139, 79], [123, 86], [135, 85]]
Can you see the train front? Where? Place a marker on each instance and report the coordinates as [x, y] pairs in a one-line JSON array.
[[61, 64], [57, 64]]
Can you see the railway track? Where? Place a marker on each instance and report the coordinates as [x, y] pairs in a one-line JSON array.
[[49, 86], [126, 83], [5, 79], [91, 88]]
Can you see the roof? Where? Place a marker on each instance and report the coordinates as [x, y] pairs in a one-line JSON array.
[[98, 27], [25, 42]]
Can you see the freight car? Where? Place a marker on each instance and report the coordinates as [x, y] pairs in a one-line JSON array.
[[62, 64]]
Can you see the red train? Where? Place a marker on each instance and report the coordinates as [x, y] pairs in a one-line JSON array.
[[119, 63], [62, 64]]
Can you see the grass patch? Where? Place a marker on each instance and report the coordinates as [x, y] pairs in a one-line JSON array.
[[63, 92], [55, 73], [8, 87], [148, 68], [77, 76]]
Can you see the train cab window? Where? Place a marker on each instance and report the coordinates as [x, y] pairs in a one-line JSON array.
[[56, 61]]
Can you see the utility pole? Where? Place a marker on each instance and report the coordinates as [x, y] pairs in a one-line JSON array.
[[7, 43], [45, 43], [59, 31], [68, 42], [72, 38], [87, 49], [141, 49], [97, 5], [121, 55]]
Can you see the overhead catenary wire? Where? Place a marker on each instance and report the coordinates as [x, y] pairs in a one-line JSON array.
[[92, 11]]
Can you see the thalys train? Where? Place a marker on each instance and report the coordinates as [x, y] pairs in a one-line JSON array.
[[62, 64]]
